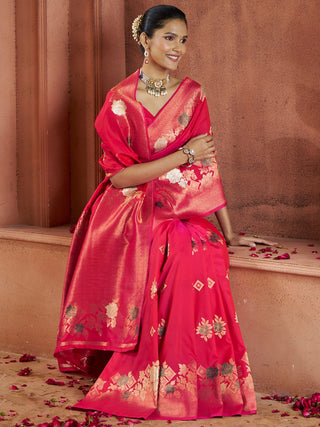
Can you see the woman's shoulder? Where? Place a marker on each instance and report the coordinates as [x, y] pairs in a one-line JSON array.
[[193, 86], [125, 87]]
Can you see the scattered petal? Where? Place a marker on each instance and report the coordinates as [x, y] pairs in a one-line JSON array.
[[253, 248], [14, 387], [27, 358], [241, 234], [310, 244], [314, 252], [72, 229], [275, 411], [52, 381], [285, 414], [231, 252], [254, 255], [24, 372], [283, 256]]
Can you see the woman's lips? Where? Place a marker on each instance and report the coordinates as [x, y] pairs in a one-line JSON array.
[[173, 58]]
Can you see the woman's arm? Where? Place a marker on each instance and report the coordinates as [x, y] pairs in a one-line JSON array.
[[141, 173], [233, 239]]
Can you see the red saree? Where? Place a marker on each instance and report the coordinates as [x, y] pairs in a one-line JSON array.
[[147, 277]]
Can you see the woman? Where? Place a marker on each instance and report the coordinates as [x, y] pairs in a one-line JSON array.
[[147, 295]]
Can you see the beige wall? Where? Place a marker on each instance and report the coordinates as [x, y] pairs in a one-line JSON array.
[[8, 164], [259, 64]]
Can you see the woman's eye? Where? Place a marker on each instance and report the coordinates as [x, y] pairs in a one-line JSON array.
[[183, 41], [169, 38]]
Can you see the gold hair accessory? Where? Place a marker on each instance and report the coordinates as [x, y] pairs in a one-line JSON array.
[[154, 87], [136, 27]]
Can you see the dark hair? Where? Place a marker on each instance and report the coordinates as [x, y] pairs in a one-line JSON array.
[[156, 17]]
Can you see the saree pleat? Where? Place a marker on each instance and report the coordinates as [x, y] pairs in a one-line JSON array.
[[190, 361]]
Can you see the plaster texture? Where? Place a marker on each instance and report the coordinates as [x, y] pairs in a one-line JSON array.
[[259, 65]]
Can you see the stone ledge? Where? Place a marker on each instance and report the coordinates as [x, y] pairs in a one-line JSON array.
[[303, 262], [51, 236]]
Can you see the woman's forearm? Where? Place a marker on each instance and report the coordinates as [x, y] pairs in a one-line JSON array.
[[225, 223], [146, 172], [201, 146]]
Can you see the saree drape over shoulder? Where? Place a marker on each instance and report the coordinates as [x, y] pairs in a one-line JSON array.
[[147, 298]]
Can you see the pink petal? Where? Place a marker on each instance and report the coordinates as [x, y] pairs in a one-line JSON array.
[[294, 252], [231, 252], [268, 256], [285, 414], [275, 411], [14, 387], [253, 248], [254, 255], [314, 252]]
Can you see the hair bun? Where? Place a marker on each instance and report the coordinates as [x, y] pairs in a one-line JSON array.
[[136, 28]]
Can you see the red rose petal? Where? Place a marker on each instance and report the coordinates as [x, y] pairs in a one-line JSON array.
[[311, 244], [52, 381], [283, 256], [27, 358], [254, 255], [241, 234], [314, 252], [275, 411], [24, 372], [285, 414], [14, 387], [253, 248]]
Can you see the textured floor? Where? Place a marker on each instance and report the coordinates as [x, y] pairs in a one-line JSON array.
[[30, 397]]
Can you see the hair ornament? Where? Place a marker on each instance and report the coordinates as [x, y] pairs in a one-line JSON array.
[[136, 28]]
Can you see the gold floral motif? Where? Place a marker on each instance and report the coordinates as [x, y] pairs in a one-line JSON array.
[[119, 107], [175, 177], [71, 311], [236, 318], [129, 191], [219, 326], [112, 312], [154, 289], [162, 328], [204, 329], [160, 144]]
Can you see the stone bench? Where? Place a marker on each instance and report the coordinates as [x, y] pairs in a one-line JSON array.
[[277, 302]]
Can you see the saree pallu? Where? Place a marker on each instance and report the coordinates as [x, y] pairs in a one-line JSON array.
[[146, 295]]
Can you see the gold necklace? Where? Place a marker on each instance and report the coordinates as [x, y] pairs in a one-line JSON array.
[[154, 87]]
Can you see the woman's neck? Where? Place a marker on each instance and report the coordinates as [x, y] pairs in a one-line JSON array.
[[154, 72]]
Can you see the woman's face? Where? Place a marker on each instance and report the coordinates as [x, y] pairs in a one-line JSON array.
[[167, 45]]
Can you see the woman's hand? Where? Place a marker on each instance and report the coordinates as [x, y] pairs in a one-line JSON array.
[[238, 240], [203, 147]]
